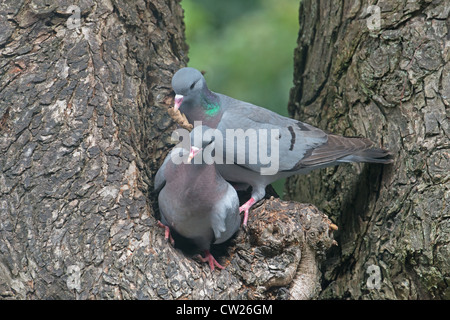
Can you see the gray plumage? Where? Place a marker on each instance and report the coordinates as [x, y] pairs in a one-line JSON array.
[[302, 147], [196, 201]]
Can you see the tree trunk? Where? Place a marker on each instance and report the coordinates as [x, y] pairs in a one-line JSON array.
[[382, 72], [84, 125]]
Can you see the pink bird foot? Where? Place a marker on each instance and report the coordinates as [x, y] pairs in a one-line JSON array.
[[246, 207], [210, 259], [167, 235]]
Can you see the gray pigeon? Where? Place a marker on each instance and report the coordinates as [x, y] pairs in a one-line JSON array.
[[195, 200], [301, 147]]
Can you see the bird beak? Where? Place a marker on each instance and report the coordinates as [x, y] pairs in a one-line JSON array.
[[193, 153], [178, 101]]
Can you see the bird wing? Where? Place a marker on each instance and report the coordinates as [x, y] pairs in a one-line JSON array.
[[225, 218], [295, 138]]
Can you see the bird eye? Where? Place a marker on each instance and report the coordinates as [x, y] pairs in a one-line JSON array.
[[194, 83]]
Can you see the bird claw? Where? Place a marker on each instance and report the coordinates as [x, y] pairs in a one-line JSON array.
[[246, 207], [211, 261], [167, 235]]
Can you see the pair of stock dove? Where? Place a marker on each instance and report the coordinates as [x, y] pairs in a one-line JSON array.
[[196, 199]]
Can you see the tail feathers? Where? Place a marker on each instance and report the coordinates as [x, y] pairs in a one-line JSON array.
[[343, 149], [373, 155]]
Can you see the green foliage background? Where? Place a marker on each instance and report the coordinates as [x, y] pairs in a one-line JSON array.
[[246, 49]]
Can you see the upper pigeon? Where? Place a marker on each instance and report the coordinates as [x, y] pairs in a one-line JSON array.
[[298, 147]]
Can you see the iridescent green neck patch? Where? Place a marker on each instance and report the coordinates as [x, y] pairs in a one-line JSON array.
[[212, 109]]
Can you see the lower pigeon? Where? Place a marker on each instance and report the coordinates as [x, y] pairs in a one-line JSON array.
[[194, 199]]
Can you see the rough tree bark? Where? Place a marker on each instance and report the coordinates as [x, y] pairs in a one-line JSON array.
[[84, 126], [389, 82]]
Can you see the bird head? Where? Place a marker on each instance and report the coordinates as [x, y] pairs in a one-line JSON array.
[[187, 83]]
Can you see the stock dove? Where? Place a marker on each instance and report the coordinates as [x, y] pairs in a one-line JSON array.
[[301, 147], [195, 200]]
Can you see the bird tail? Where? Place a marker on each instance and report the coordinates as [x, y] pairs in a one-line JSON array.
[[373, 155], [344, 149]]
